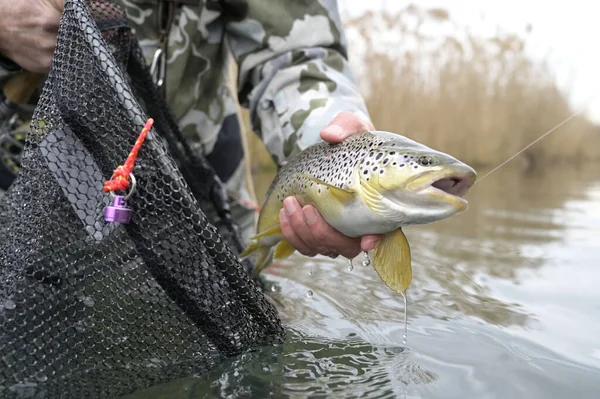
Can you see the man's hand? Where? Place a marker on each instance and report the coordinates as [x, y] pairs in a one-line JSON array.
[[304, 227], [28, 31]]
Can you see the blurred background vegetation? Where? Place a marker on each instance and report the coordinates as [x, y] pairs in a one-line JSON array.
[[481, 99]]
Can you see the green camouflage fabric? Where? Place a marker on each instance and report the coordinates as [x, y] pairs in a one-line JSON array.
[[293, 76]]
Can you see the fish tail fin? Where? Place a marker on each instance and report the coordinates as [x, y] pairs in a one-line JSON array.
[[261, 245], [392, 261], [250, 248], [264, 257]]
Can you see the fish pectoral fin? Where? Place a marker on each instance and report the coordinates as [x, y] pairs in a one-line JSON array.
[[255, 241], [376, 201], [340, 194], [392, 261], [283, 250], [371, 195]]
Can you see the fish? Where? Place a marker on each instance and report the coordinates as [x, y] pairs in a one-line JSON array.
[[375, 182]]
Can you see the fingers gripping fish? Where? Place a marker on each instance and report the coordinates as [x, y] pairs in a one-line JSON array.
[[371, 183]]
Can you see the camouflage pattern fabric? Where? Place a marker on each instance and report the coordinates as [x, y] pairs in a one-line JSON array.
[[293, 76]]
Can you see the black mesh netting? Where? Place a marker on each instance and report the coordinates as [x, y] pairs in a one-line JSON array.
[[96, 309]]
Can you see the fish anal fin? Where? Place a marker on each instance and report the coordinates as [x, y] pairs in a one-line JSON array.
[[392, 261], [271, 231], [260, 240], [344, 196], [283, 250]]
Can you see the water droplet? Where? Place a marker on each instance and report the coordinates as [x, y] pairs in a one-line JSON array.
[[41, 377], [309, 294], [88, 301], [367, 260], [9, 304], [351, 266], [274, 288], [310, 270], [405, 318]]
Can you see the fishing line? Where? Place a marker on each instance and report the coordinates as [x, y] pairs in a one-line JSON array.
[[535, 141]]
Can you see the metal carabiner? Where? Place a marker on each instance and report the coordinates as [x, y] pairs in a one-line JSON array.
[[158, 67]]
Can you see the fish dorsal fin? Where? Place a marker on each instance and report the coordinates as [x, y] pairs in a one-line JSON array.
[[392, 261], [340, 194]]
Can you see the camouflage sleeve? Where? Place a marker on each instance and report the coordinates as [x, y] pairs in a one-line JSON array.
[[7, 67], [4, 73], [293, 71]]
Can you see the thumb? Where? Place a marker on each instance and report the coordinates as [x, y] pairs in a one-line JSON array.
[[343, 125]]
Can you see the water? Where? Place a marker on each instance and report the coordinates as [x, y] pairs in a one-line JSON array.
[[504, 303]]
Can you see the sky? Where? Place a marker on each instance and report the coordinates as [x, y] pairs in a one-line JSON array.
[[567, 30]]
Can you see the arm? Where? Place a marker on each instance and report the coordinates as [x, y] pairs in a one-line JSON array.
[[293, 72], [295, 79], [28, 31]]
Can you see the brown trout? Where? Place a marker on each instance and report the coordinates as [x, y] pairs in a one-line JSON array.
[[371, 183]]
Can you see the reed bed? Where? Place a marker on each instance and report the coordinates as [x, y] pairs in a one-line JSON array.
[[481, 99]]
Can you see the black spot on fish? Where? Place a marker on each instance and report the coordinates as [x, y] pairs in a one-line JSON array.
[[365, 172], [379, 156], [392, 153], [401, 165], [375, 169]]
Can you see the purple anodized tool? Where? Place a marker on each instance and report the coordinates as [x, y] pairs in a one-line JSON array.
[[118, 212]]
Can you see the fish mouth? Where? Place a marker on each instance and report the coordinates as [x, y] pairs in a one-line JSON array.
[[451, 186]]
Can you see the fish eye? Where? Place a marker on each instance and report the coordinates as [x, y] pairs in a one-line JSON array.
[[425, 160]]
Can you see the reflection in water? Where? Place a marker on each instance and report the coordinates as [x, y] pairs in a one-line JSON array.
[[504, 304]]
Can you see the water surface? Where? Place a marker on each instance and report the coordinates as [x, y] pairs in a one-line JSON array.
[[504, 303]]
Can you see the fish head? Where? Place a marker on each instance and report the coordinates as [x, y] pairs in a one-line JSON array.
[[412, 182]]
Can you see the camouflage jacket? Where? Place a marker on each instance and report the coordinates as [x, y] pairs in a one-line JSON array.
[[293, 75]]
